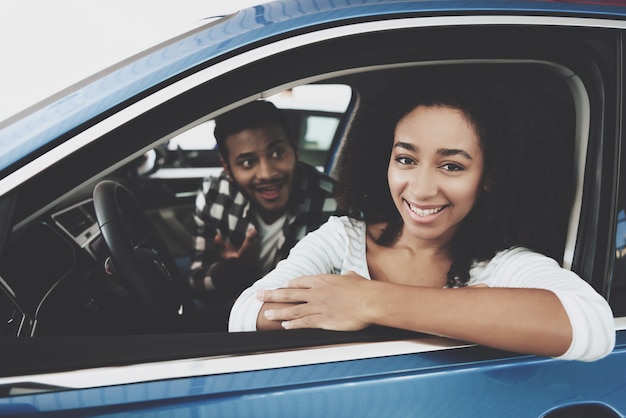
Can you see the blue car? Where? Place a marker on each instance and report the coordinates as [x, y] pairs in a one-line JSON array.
[[80, 341]]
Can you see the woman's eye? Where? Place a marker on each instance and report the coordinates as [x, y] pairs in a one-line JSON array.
[[405, 160], [452, 167]]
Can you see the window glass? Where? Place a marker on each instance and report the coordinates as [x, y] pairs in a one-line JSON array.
[[313, 111], [319, 132], [617, 295], [199, 137]]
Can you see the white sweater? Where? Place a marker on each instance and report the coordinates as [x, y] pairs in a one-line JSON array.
[[338, 246]]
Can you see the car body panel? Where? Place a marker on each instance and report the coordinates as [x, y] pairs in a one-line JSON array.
[[450, 382]]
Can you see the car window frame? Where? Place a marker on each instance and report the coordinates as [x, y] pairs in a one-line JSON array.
[[134, 117]]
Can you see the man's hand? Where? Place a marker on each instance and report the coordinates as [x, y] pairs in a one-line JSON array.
[[226, 251], [230, 272]]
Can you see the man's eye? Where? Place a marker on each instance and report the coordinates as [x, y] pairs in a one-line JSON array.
[[452, 167], [277, 153], [246, 163]]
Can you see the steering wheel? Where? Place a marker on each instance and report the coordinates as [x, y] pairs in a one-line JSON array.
[[140, 256]]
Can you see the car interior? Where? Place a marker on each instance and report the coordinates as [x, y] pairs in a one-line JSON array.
[[73, 288]]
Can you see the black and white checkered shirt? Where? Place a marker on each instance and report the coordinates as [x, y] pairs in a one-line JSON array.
[[222, 208]]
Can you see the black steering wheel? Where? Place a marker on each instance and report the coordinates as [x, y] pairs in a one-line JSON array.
[[140, 256]]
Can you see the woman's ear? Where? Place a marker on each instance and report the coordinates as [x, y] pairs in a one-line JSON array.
[[487, 183]]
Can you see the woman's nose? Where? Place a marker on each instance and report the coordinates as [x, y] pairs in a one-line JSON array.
[[423, 184]]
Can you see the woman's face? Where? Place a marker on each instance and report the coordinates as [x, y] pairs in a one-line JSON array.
[[435, 172]]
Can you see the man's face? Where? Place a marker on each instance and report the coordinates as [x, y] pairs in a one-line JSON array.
[[262, 162]]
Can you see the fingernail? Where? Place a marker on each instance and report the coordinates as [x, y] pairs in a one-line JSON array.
[[285, 324], [260, 295], [269, 314]]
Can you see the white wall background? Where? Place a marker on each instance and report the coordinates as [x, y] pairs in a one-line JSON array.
[[48, 45]]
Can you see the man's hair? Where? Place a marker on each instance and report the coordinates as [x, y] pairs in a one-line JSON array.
[[249, 116]]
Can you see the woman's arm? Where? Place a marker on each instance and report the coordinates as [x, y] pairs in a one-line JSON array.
[[565, 317], [521, 320]]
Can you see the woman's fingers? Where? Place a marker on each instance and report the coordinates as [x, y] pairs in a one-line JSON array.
[[287, 314], [295, 317], [300, 315], [309, 321], [287, 295]]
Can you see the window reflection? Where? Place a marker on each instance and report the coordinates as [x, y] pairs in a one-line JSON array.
[[617, 297]]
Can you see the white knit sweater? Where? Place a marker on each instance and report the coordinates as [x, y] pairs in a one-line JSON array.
[[338, 246]]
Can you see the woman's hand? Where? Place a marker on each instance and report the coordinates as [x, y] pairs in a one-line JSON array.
[[332, 302]]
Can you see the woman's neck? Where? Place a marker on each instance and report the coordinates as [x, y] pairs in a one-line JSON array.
[[407, 261]]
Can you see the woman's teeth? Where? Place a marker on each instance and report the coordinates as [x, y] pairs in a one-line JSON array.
[[425, 212]]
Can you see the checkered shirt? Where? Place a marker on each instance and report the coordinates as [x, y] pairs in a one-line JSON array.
[[222, 208]]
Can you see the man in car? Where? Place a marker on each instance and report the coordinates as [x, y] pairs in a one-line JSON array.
[[249, 217]]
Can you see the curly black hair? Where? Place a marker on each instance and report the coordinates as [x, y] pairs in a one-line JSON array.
[[528, 153], [249, 116]]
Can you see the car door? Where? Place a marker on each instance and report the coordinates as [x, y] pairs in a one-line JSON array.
[[377, 371]]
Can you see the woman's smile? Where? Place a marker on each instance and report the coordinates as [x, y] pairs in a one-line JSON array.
[[421, 212]]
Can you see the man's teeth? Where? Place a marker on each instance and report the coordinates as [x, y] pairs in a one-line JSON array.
[[425, 212], [268, 188]]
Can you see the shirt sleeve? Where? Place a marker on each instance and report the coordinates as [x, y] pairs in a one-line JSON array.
[[203, 257], [319, 252], [590, 316]]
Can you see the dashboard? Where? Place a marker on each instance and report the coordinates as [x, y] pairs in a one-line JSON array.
[[55, 267], [80, 224]]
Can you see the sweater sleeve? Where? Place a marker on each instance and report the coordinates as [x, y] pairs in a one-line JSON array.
[[319, 252], [590, 316]]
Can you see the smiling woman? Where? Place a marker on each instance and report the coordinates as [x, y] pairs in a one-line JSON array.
[[438, 244]]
